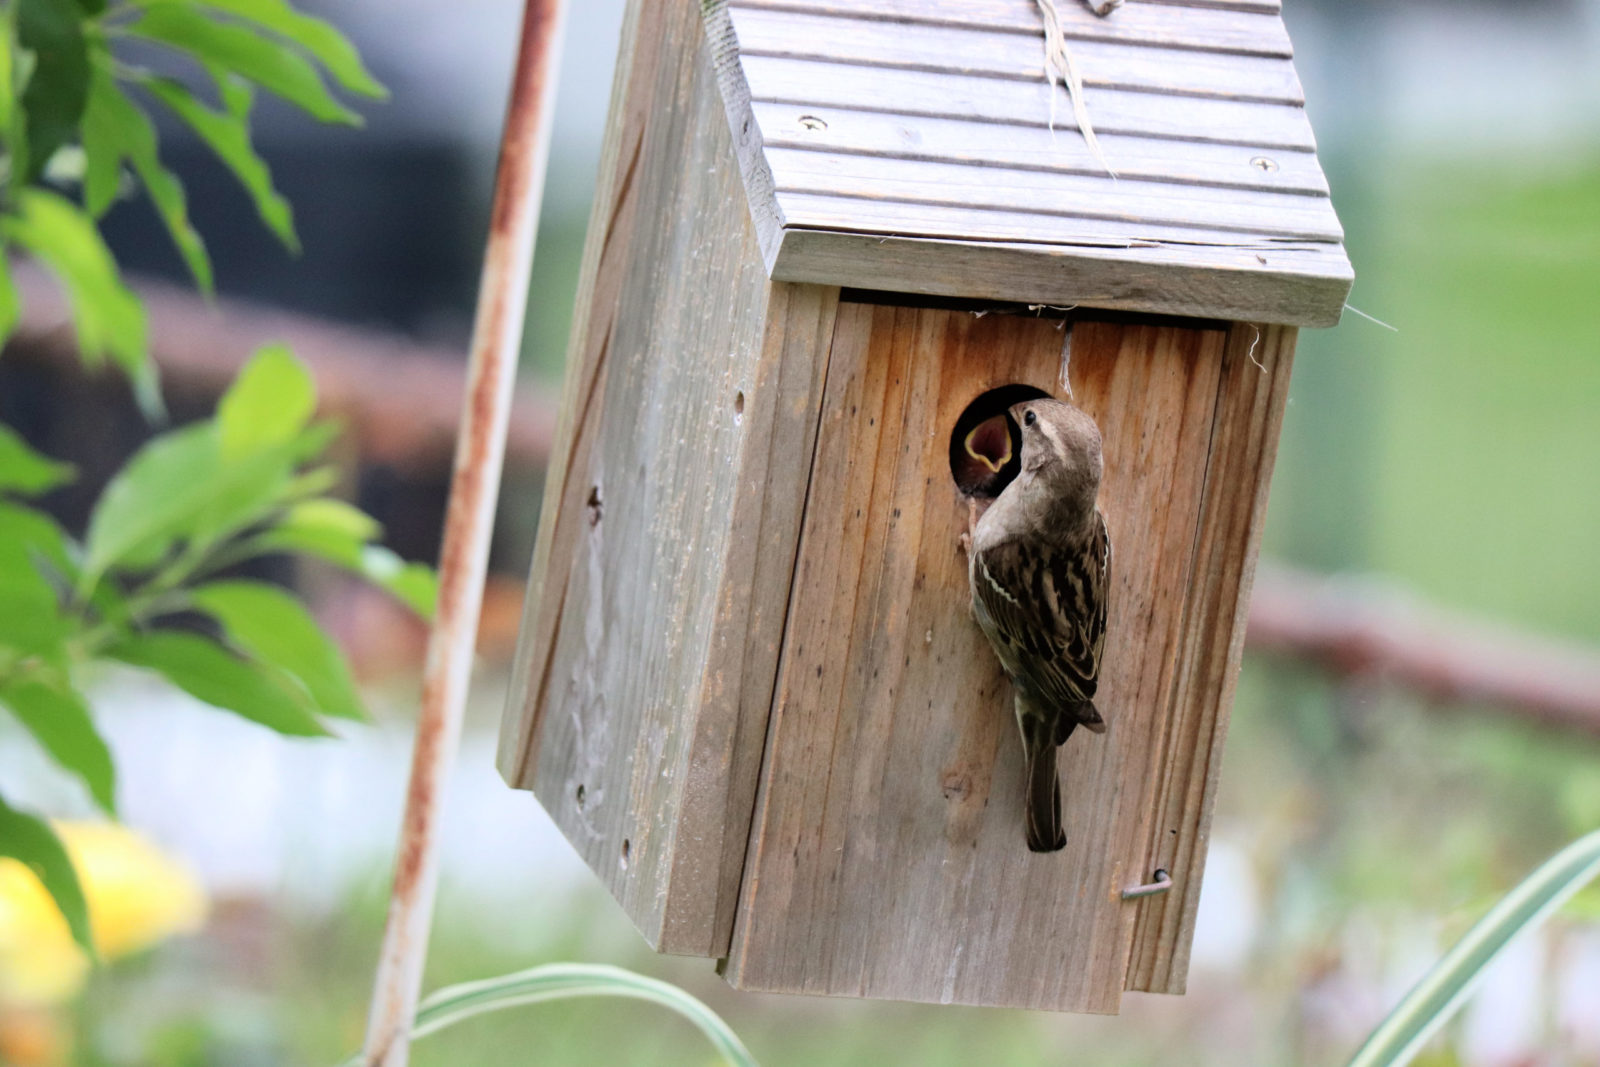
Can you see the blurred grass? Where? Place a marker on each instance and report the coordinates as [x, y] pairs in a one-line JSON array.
[[1490, 494], [1484, 468]]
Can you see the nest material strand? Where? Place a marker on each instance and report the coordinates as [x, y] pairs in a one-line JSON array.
[[1059, 67]]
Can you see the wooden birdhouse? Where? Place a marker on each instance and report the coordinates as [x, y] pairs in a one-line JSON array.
[[750, 689]]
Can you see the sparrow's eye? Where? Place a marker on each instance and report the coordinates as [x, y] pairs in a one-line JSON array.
[[1029, 419]]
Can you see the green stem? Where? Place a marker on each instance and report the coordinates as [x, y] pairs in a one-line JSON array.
[[1433, 1000], [558, 981]]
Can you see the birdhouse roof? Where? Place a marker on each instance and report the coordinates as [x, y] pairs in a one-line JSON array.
[[916, 146]]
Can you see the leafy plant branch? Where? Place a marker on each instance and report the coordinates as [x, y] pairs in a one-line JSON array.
[[147, 587]]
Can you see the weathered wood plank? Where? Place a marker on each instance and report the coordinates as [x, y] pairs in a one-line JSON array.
[[1263, 7], [653, 624], [1305, 285], [781, 404], [1198, 28], [961, 50], [970, 195], [897, 218], [915, 92], [613, 225], [1244, 442], [958, 184], [854, 132], [734, 87], [887, 857]]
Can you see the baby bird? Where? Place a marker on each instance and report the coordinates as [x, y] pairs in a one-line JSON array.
[[1039, 565]]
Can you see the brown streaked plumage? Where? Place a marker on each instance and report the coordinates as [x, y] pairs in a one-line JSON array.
[[1039, 567]]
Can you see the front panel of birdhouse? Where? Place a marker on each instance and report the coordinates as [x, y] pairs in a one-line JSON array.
[[750, 690], [887, 855]]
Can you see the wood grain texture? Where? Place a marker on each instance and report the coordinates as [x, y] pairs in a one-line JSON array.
[[690, 411], [1059, 202], [1261, 282], [946, 49], [843, 131], [949, 136], [1202, 28], [1244, 443], [1021, 103], [613, 220], [887, 855]]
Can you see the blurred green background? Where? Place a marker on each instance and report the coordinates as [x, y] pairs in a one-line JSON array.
[[1358, 830]]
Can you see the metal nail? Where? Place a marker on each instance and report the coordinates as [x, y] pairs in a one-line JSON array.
[[1162, 883]]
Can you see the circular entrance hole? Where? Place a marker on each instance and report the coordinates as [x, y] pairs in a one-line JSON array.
[[986, 443]]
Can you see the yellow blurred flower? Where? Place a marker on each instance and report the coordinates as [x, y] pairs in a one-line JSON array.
[[137, 897]]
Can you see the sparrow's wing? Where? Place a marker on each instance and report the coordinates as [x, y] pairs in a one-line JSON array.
[[1045, 606]]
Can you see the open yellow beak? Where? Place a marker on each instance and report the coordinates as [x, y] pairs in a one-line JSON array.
[[989, 443]]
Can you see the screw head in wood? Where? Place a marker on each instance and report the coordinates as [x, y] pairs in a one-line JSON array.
[[1264, 165], [811, 122]]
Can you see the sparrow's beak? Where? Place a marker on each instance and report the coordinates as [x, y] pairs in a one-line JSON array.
[[990, 443]]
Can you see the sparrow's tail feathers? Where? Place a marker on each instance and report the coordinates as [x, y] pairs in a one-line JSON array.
[[1043, 801], [1089, 718]]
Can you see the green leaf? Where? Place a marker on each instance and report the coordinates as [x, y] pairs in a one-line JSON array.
[[10, 301], [21, 63], [326, 533], [104, 146], [271, 626], [54, 98], [333, 518], [209, 672], [268, 404], [560, 981], [44, 540], [180, 487], [227, 133], [30, 840], [151, 501], [279, 70], [59, 719], [313, 483], [1434, 999], [324, 43], [24, 471], [115, 129], [413, 584], [108, 317], [204, 482], [30, 606], [8, 74]]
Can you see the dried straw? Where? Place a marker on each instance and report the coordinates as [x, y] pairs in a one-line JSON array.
[[1059, 67]]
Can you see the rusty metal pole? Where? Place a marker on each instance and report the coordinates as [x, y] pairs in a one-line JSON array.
[[480, 448]]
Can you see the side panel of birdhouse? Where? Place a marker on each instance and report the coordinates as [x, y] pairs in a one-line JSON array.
[[887, 856], [1244, 442], [671, 510]]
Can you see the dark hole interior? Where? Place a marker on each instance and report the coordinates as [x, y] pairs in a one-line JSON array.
[[973, 462]]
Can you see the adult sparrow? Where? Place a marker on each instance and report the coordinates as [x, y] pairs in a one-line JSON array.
[[1039, 565]]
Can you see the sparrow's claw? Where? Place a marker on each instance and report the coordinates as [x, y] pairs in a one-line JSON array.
[[974, 513]]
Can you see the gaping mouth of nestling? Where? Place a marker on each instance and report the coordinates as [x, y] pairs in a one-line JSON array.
[[986, 442], [989, 443]]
